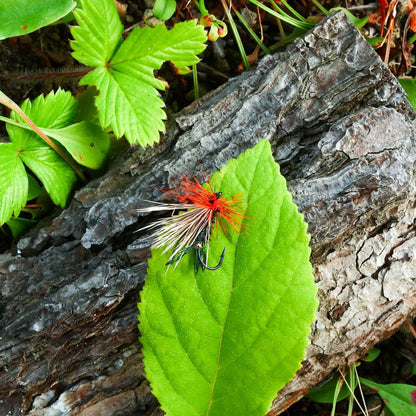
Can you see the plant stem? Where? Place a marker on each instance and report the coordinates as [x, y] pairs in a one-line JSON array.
[[320, 7], [195, 79], [236, 35], [336, 393], [280, 14], [201, 6], [251, 31], [412, 39], [290, 8], [351, 396]]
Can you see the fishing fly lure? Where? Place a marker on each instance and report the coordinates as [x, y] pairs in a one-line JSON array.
[[199, 208]]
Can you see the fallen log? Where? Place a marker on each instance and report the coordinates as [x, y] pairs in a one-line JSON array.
[[344, 135]]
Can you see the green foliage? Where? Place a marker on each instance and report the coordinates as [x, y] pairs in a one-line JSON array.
[[164, 9], [19, 17], [332, 391], [296, 20], [128, 101], [358, 22], [48, 136], [13, 182], [55, 115], [224, 342], [18, 226], [409, 85], [99, 32], [372, 355], [397, 397]]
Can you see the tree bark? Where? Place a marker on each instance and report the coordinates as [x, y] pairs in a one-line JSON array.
[[343, 133]]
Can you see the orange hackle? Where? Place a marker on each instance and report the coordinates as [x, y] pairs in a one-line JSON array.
[[190, 191], [199, 207]]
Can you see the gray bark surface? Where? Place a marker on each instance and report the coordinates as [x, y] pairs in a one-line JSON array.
[[344, 135]]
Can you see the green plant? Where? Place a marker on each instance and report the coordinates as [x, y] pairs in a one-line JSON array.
[[19, 17], [337, 389], [359, 23], [409, 85], [164, 9], [128, 102], [224, 342], [397, 397], [48, 138]]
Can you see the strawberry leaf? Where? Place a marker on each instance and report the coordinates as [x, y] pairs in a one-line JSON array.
[[55, 174], [224, 342], [55, 115], [13, 182], [56, 110], [87, 143], [98, 34], [128, 101]]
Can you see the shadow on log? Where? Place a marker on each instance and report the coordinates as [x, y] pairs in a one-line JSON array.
[[343, 132]]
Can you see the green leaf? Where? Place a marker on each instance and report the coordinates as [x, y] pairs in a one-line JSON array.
[[372, 354], [34, 189], [164, 9], [13, 182], [87, 143], [99, 32], [56, 110], [224, 342], [18, 226], [409, 85], [397, 397], [327, 392], [375, 42], [55, 174], [128, 101], [87, 111], [55, 114], [19, 17], [142, 115], [358, 22]]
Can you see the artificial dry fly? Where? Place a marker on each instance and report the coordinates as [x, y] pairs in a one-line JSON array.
[[199, 208]]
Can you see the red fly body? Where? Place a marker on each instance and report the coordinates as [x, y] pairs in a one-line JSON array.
[[191, 229]]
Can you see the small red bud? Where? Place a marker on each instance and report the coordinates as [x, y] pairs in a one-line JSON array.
[[206, 20]]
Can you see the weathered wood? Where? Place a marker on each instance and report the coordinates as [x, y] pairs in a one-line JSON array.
[[344, 134]]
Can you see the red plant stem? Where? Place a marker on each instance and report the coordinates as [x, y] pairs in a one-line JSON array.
[[46, 75], [412, 330]]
